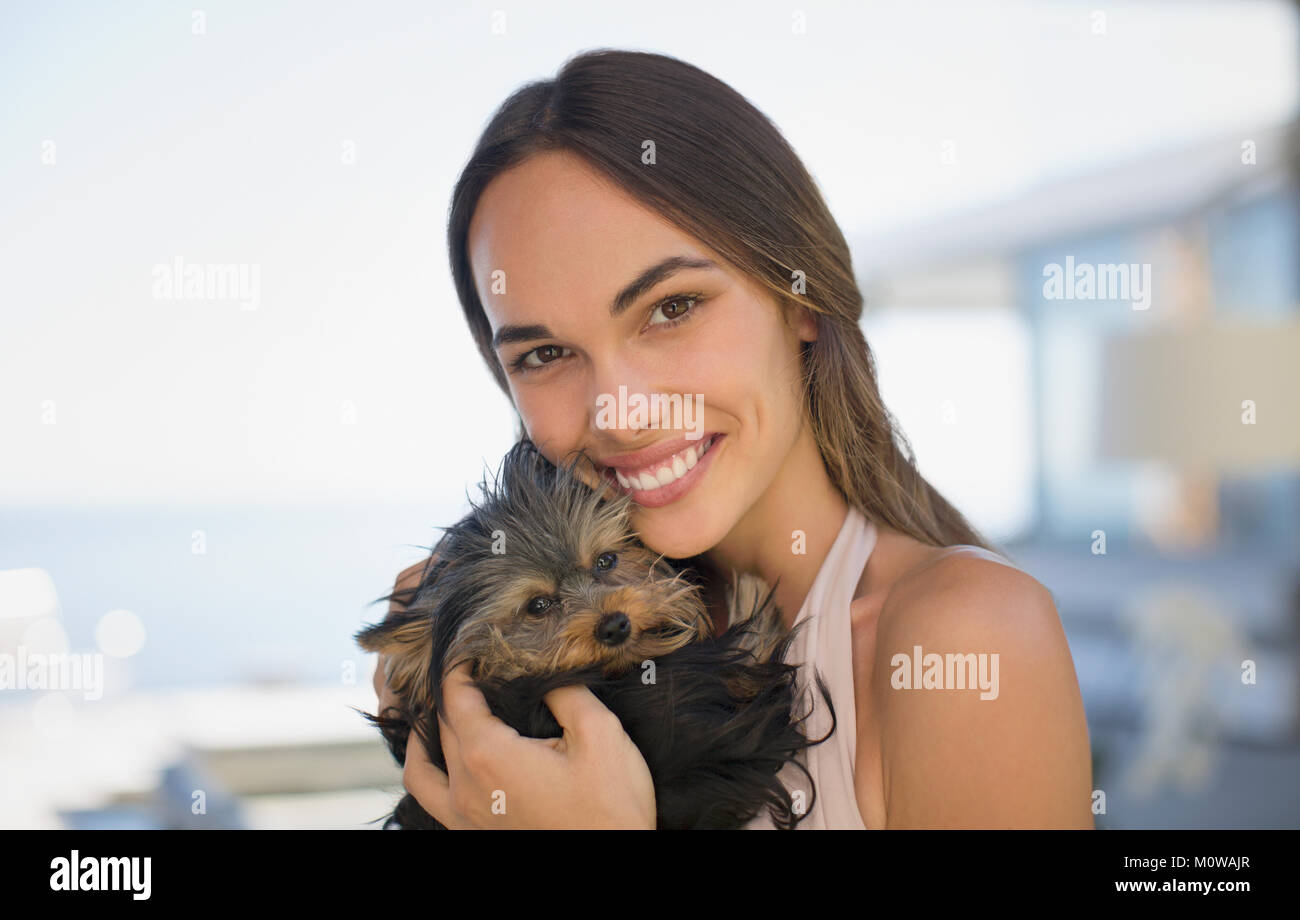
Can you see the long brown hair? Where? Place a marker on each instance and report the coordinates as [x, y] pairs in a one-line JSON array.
[[723, 173]]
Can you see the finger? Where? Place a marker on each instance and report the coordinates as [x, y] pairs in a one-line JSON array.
[[451, 753], [450, 747], [474, 787], [428, 784], [463, 700], [468, 711], [578, 711]]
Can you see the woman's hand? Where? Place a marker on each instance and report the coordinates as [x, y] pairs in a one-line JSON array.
[[592, 777]]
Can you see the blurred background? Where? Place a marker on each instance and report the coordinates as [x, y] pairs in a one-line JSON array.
[[1076, 224]]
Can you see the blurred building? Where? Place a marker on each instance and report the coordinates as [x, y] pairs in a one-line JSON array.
[[1138, 328]]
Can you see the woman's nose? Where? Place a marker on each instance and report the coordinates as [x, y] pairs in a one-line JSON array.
[[622, 401]]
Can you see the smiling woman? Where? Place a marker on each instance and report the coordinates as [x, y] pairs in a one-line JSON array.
[[585, 267]]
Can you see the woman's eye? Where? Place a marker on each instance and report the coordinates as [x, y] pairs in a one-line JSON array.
[[526, 359], [606, 561], [539, 605], [673, 310]]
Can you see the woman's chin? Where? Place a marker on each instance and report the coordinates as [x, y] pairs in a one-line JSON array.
[[663, 533]]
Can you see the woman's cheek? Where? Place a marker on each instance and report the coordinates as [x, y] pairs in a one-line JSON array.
[[699, 364], [553, 414]]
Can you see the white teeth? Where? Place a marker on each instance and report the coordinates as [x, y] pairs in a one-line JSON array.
[[682, 462]]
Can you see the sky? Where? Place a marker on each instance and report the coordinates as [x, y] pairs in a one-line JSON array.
[[318, 145]]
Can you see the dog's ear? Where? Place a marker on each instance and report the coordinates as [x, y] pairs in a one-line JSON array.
[[405, 639]]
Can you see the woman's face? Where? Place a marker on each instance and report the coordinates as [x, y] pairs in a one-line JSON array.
[[557, 253]]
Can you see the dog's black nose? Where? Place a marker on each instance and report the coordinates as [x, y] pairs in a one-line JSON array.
[[614, 628]]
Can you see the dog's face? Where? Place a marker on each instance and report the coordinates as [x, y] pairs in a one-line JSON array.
[[542, 576], [570, 592]]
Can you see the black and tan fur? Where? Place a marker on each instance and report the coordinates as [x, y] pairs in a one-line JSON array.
[[542, 585]]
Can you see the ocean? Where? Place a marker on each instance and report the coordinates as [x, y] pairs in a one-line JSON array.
[[274, 595]]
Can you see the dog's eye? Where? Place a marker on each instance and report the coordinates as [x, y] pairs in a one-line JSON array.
[[605, 562], [539, 605]]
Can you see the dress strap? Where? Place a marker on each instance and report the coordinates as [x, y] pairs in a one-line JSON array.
[[827, 647]]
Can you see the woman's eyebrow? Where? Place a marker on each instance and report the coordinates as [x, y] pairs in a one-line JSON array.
[[652, 276], [643, 282]]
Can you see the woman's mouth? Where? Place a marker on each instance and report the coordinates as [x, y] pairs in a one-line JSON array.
[[667, 480]]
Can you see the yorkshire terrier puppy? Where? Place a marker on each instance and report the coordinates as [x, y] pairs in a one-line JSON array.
[[543, 585]]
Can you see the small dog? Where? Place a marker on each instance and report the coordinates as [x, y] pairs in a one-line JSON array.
[[544, 585]]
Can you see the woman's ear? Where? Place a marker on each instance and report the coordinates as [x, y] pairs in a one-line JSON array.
[[802, 320]]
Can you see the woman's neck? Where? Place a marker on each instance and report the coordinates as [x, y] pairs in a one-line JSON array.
[[788, 532]]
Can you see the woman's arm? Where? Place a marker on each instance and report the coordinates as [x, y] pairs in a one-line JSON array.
[[1017, 759]]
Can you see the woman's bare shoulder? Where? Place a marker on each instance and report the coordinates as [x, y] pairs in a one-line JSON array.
[[981, 719], [962, 574]]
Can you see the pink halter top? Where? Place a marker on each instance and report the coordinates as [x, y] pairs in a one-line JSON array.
[[826, 640]]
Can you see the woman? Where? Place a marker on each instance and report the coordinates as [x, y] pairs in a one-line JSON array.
[[635, 223]]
